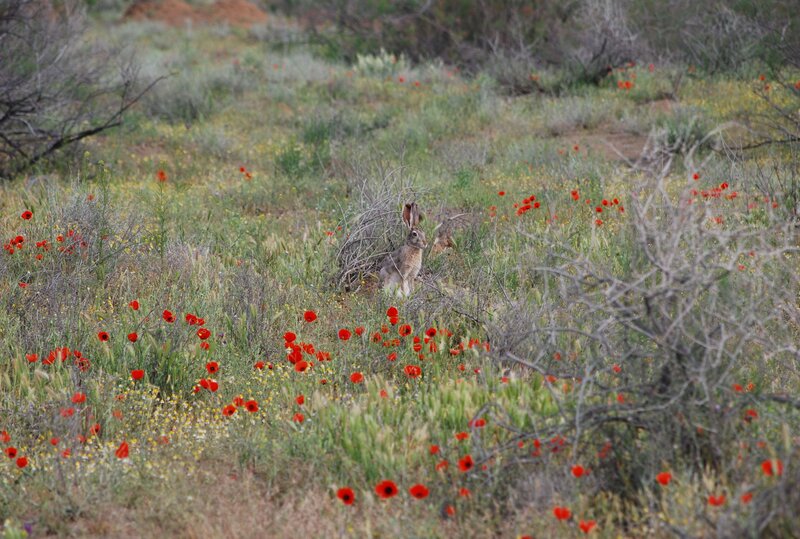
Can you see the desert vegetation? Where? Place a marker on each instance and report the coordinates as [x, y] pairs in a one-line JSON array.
[[197, 199]]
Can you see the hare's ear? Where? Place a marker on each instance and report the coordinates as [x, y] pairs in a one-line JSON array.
[[416, 217], [408, 215]]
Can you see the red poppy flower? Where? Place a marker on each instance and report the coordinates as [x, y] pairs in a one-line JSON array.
[[301, 366], [356, 377], [191, 319], [22, 462], [392, 356], [137, 374], [134, 305], [300, 400], [95, 429], [295, 352], [229, 410], [466, 463], [587, 526], [464, 492], [11, 452], [462, 436], [434, 449], [393, 321], [203, 333], [168, 316], [310, 316], [359, 331], [383, 394], [664, 478], [578, 470], [289, 336], [347, 495], [479, 423], [122, 451], [430, 332], [450, 511], [772, 467], [419, 491], [251, 406], [562, 513], [413, 371], [344, 334], [238, 401], [133, 337], [103, 336], [32, 358], [259, 365], [442, 465], [404, 330], [79, 398], [5, 437], [161, 176], [716, 501], [392, 312], [386, 489], [212, 367], [747, 497], [209, 384], [298, 418], [27, 214]]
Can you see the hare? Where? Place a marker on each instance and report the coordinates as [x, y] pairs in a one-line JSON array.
[[401, 267]]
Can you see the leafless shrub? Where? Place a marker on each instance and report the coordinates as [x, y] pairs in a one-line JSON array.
[[779, 182], [603, 40], [721, 40], [514, 70], [655, 340], [56, 88], [371, 225]]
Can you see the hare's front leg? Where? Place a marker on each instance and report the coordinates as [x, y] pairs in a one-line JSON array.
[[406, 289]]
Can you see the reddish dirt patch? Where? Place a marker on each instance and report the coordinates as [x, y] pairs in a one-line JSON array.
[[617, 146], [609, 143], [177, 12]]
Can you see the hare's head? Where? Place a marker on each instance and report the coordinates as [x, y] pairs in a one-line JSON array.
[[412, 217]]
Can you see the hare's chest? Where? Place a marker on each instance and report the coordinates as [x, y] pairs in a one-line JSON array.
[[412, 260]]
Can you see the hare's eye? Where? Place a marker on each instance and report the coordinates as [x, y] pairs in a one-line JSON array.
[[414, 234]]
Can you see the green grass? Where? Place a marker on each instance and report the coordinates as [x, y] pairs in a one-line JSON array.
[[250, 255]]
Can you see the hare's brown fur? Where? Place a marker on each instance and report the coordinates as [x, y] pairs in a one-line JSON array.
[[402, 266]]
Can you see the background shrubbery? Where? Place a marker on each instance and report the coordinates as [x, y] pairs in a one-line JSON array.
[[581, 39]]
